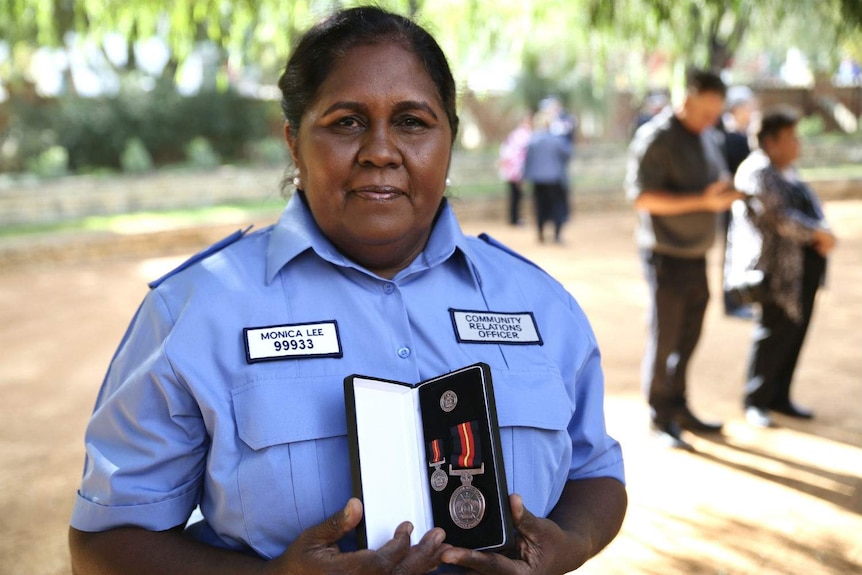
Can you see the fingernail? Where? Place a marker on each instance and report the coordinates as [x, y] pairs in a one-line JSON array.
[[438, 538]]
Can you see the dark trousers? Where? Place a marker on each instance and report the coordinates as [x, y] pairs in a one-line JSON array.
[[515, 194], [550, 206], [777, 341], [678, 296]]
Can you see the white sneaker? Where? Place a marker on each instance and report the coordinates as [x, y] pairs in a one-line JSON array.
[[758, 417]]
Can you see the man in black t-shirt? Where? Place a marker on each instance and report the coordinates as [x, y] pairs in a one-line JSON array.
[[678, 181]]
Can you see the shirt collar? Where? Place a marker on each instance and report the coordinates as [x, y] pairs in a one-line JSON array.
[[296, 232]]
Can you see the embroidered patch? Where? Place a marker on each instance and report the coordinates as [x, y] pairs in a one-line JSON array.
[[495, 327], [293, 341]]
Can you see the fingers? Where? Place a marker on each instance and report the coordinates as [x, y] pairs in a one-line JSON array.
[[398, 556], [479, 562], [396, 548], [315, 551], [528, 528], [425, 556], [336, 525]]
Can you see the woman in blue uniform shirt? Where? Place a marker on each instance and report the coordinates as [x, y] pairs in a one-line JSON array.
[[361, 275]]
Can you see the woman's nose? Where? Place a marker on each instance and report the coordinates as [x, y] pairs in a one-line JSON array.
[[379, 149]]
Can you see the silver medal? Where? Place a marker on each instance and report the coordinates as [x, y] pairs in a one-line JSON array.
[[448, 401], [467, 504], [467, 507], [439, 480]]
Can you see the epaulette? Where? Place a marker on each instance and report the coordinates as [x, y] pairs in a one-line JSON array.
[[205, 253], [492, 242]]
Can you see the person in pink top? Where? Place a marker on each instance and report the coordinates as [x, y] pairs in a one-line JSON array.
[[510, 165]]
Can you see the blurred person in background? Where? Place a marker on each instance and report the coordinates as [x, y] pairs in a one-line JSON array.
[[649, 108], [796, 239], [679, 182], [510, 165], [734, 135], [546, 168], [564, 124], [734, 128]]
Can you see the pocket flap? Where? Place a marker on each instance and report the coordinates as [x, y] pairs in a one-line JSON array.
[[275, 411], [532, 399]]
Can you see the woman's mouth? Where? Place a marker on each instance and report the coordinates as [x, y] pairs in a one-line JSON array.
[[377, 193]]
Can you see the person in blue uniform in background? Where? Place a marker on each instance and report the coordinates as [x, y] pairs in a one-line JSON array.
[[545, 166], [361, 274]]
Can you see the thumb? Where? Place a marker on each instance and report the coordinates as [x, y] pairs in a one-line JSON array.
[[523, 520], [336, 525]]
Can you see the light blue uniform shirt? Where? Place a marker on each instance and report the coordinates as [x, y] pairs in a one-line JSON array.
[[183, 419]]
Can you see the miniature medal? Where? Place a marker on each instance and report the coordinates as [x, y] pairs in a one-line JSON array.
[[439, 478]]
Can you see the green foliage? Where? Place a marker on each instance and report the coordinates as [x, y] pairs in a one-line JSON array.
[[270, 152], [200, 154], [51, 163], [135, 157], [851, 10], [226, 119], [535, 83], [24, 134], [260, 32], [810, 126], [117, 132], [578, 49], [92, 130]]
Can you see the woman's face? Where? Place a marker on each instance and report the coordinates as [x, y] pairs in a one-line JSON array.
[[783, 148], [373, 152]]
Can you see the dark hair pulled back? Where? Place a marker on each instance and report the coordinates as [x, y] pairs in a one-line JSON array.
[[325, 44]]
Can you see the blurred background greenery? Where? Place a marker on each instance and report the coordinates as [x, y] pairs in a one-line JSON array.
[[104, 86]]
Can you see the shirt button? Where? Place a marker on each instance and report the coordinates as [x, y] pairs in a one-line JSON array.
[[388, 288], [404, 352]]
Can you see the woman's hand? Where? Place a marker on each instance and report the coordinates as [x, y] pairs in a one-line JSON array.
[[315, 551], [585, 519], [542, 547]]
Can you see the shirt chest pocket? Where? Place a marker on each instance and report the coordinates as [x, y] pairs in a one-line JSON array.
[[294, 468], [533, 411]]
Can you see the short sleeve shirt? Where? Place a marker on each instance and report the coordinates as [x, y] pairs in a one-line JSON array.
[[666, 156], [184, 419]]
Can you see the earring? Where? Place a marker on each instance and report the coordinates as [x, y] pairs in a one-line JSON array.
[[296, 181], [448, 182]]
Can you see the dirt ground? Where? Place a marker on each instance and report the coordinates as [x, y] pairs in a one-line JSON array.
[[786, 500]]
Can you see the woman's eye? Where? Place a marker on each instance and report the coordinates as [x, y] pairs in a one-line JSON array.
[[348, 122], [412, 122]]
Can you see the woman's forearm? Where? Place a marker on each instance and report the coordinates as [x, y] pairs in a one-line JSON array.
[[592, 508], [133, 551]]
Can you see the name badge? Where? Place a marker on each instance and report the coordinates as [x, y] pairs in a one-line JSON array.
[[495, 327], [294, 341]]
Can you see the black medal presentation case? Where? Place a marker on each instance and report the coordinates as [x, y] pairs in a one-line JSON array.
[[429, 454]]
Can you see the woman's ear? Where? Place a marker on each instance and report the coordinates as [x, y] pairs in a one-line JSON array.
[[291, 140]]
